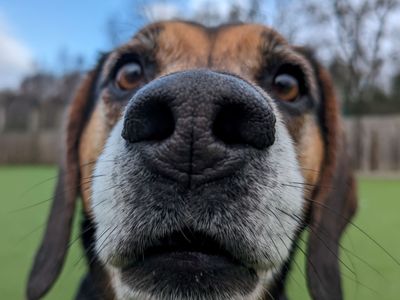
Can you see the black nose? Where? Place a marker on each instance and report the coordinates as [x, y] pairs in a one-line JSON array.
[[197, 125]]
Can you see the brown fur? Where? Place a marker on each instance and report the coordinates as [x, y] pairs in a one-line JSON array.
[[92, 143], [310, 157]]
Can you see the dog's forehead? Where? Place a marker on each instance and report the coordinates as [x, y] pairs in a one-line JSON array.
[[237, 48], [242, 49]]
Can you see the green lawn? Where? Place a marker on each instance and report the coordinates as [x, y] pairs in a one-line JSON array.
[[24, 191]]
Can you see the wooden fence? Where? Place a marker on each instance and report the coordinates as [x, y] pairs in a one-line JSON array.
[[374, 142], [32, 135]]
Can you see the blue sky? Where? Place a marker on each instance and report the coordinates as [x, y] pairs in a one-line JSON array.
[[45, 27]]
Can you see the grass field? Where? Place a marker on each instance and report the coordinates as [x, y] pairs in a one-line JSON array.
[[24, 194]]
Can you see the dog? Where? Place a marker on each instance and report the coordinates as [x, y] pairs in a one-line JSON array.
[[201, 155]]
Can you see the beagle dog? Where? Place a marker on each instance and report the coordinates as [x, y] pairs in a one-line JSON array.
[[201, 155]]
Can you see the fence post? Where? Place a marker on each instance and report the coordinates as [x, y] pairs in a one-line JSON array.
[[2, 118]]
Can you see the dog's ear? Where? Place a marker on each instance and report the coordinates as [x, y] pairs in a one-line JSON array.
[[50, 256], [334, 201]]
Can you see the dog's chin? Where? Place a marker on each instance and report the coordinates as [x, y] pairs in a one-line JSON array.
[[191, 266], [189, 275]]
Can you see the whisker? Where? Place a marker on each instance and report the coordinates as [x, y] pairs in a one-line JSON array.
[[355, 280], [24, 193], [358, 228], [350, 222], [287, 248], [295, 217]]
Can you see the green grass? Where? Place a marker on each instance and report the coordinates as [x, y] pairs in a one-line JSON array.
[[24, 191], [377, 275]]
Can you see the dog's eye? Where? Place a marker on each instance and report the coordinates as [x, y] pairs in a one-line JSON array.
[[129, 76], [286, 87]]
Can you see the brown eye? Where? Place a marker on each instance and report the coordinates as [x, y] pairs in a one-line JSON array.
[[286, 87], [128, 76]]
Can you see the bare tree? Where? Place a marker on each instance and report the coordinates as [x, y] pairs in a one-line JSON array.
[[112, 31], [359, 31]]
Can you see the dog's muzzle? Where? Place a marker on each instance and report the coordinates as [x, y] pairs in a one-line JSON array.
[[189, 191], [196, 126]]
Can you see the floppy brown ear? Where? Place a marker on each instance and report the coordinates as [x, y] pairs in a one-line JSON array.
[[50, 256], [334, 201]]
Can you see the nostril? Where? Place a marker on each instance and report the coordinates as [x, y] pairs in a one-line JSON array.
[[238, 124], [227, 125], [148, 121]]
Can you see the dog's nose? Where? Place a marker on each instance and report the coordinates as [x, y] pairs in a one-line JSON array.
[[196, 126]]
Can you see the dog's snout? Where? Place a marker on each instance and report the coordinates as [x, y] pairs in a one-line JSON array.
[[196, 124]]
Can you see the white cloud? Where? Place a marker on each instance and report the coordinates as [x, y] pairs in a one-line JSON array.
[[15, 58], [161, 11], [220, 8]]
